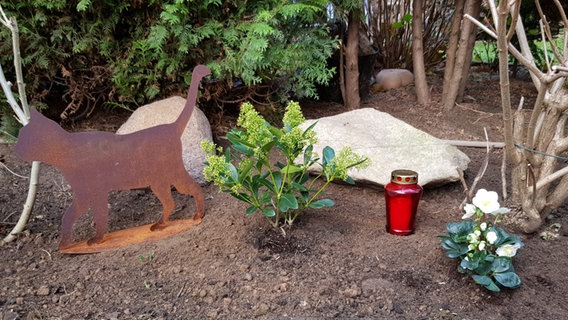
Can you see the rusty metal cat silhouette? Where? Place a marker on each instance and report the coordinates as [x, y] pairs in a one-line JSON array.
[[96, 163]]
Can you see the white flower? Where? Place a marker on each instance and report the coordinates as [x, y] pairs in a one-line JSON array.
[[473, 237], [483, 226], [486, 201], [469, 211], [481, 245], [508, 250], [477, 233], [491, 237], [471, 247]]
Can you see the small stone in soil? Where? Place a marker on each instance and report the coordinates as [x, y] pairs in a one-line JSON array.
[[352, 292], [43, 291]]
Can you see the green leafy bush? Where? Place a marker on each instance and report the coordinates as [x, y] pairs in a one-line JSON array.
[[485, 250], [79, 54], [65, 52], [281, 191], [266, 46]]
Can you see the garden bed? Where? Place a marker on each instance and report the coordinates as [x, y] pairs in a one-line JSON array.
[[335, 262]]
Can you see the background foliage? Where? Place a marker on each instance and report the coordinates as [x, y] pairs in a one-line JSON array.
[[391, 31], [78, 54]]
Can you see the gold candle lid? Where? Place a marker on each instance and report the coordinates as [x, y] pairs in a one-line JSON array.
[[404, 177]]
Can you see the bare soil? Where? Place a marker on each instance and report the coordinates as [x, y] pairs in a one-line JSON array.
[[334, 263]]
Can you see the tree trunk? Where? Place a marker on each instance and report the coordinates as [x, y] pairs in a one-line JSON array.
[[342, 64], [452, 47], [470, 44], [352, 97], [421, 85], [461, 57]]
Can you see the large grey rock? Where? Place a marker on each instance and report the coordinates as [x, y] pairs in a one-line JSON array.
[[167, 111], [391, 144]]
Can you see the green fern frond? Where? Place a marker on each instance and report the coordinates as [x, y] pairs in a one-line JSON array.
[[83, 5], [157, 37]]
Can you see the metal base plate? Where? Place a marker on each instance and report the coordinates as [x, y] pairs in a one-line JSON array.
[[123, 238]]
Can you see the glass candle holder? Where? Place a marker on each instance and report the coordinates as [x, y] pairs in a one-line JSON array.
[[402, 195]]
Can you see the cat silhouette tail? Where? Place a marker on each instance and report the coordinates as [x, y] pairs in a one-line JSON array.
[[199, 72]]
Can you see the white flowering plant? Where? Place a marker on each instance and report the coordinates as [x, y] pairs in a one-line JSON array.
[[485, 250], [279, 191]]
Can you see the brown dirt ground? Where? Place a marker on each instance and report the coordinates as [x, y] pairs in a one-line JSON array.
[[335, 263]]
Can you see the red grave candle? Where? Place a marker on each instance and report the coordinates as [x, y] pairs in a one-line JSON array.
[[402, 195]]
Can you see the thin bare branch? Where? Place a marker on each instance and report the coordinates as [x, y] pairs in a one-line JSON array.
[[22, 112], [549, 179]]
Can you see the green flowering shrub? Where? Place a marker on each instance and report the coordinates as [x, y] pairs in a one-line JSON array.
[[485, 250], [279, 191]]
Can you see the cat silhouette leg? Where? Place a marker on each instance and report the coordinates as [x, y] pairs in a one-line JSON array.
[[164, 194], [186, 185], [75, 210], [100, 217]]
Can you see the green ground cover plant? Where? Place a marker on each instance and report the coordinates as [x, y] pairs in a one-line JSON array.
[[485, 251]]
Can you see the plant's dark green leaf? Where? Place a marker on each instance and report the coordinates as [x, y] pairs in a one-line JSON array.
[[266, 198], [268, 146], [243, 149], [269, 212], [455, 253], [481, 266], [322, 203], [328, 155], [266, 183], [244, 171], [466, 264], [251, 210], [502, 264], [482, 280], [234, 138], [486, 282], [508, 279], [503, 237], [303, 179], [305, 196], [291, 169], [241, 196], [308, 152], [275, 131], [308, 129], [277, 180], [287, 202], [453, 248], [228, 155], [300, 187], [349, 180], [459, 230], [253, 185], [492, 287], [234, 174]]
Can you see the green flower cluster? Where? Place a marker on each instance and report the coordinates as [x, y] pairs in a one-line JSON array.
[[485, 250], [258, 132], [280, 191]]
